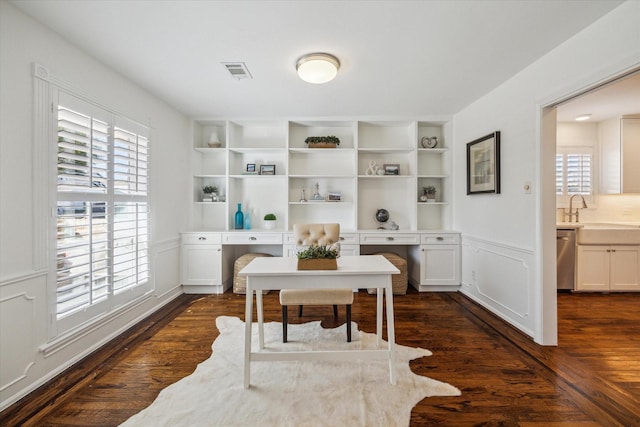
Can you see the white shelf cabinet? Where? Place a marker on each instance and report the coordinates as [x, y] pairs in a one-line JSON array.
[[345, 170], [608, 268]]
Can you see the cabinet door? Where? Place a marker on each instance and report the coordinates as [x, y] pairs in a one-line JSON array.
[[625, 268], [440, 265], [202, 265], [593, 268]]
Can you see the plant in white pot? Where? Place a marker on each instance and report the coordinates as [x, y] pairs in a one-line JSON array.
[[269, 221], [430, 192], [210, 193]]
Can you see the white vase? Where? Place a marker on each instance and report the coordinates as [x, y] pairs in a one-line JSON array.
[[269, 225]]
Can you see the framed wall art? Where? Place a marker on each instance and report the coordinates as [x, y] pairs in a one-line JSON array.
[[483, 165]]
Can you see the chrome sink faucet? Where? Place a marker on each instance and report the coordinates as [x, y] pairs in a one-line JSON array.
[[571, 213]]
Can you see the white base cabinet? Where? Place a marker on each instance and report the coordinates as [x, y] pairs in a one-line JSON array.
[[434, 265], [202, 261], [606, 268]]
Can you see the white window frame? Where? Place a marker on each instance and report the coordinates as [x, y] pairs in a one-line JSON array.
[[562, 200], [47, 92]]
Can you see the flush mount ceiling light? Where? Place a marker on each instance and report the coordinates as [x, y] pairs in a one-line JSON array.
[[583, 117], [317, 67]]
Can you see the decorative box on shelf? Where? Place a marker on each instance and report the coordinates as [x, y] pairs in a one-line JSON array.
[[318, 264]]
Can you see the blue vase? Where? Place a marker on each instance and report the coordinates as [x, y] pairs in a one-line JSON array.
[[247, 221], [239, 225]]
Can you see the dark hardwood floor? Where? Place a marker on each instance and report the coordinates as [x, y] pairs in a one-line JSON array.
[[591, 379]]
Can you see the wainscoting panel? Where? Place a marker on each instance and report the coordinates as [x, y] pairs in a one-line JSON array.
[[21, 310], [499, 277], [166, 266]]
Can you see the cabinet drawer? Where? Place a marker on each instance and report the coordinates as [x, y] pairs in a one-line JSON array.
[[440, 239], [389, 239], [201, 238], [252, 238]]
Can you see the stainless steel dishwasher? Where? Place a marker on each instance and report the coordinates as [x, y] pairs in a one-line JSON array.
[[566, 244]]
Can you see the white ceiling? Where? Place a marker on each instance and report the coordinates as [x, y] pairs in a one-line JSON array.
[[620, 98], [399, 58]]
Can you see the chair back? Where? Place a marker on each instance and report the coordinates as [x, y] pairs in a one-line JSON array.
[[316, 234]]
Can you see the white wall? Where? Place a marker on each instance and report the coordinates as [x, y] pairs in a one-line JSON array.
[[508, 238], [23, 251]]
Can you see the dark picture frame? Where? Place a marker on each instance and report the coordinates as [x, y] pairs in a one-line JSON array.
[[391, 169], [483, 165], [251, 167], [267, 169]]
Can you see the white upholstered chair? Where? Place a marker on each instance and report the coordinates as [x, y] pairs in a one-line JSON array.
[[309, 235]]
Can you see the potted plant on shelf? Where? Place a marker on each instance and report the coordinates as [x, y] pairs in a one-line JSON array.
[[210, 193], [322, 141], [430, 192], [269, 221], [318, 257]]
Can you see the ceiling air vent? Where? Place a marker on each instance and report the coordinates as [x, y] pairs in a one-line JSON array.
[[238, 70]]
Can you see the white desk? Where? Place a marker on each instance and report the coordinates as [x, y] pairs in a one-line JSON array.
[[273, 273]]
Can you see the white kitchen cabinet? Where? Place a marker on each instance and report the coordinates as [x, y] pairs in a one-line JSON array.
[[202, 261], [607, 268], [434, 265], [619, 151]]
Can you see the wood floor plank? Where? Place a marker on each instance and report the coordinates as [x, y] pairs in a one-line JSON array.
[[505, 378]]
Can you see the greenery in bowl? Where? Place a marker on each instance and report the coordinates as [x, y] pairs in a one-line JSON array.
[[318, 252], [322, 139], [209, 189], [270, 217]]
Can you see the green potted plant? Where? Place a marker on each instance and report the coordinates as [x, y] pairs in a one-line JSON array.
[[430, 192], [318, 257], [269, 221], [210, 193], [322, 141]]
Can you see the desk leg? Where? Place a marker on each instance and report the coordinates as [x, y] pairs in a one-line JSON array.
[[260, 317], [248, 312], [379, 316], [391, 333]]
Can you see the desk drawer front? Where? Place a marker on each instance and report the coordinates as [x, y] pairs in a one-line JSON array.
[[201, 238], [440, 239], [252, 238], [389, 239]]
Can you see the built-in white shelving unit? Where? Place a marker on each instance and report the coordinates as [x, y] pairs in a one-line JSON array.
[[345, 169]]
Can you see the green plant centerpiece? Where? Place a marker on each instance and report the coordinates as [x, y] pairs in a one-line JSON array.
[[318, 257], [322, 141], [269, 221]]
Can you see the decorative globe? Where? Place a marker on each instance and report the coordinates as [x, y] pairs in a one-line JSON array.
[[382, 215]]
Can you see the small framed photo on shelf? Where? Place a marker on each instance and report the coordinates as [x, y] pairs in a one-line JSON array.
[[251, 167], [334, 196], [267, 169], [391, 169]]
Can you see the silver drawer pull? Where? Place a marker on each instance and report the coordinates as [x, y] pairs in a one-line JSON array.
[[440, 239], [390, 239], [202, 238], [218, 249], [341, 238], [253, 238]]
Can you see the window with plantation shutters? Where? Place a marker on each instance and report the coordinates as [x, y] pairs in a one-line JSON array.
[[574, 171], [102, 215]]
